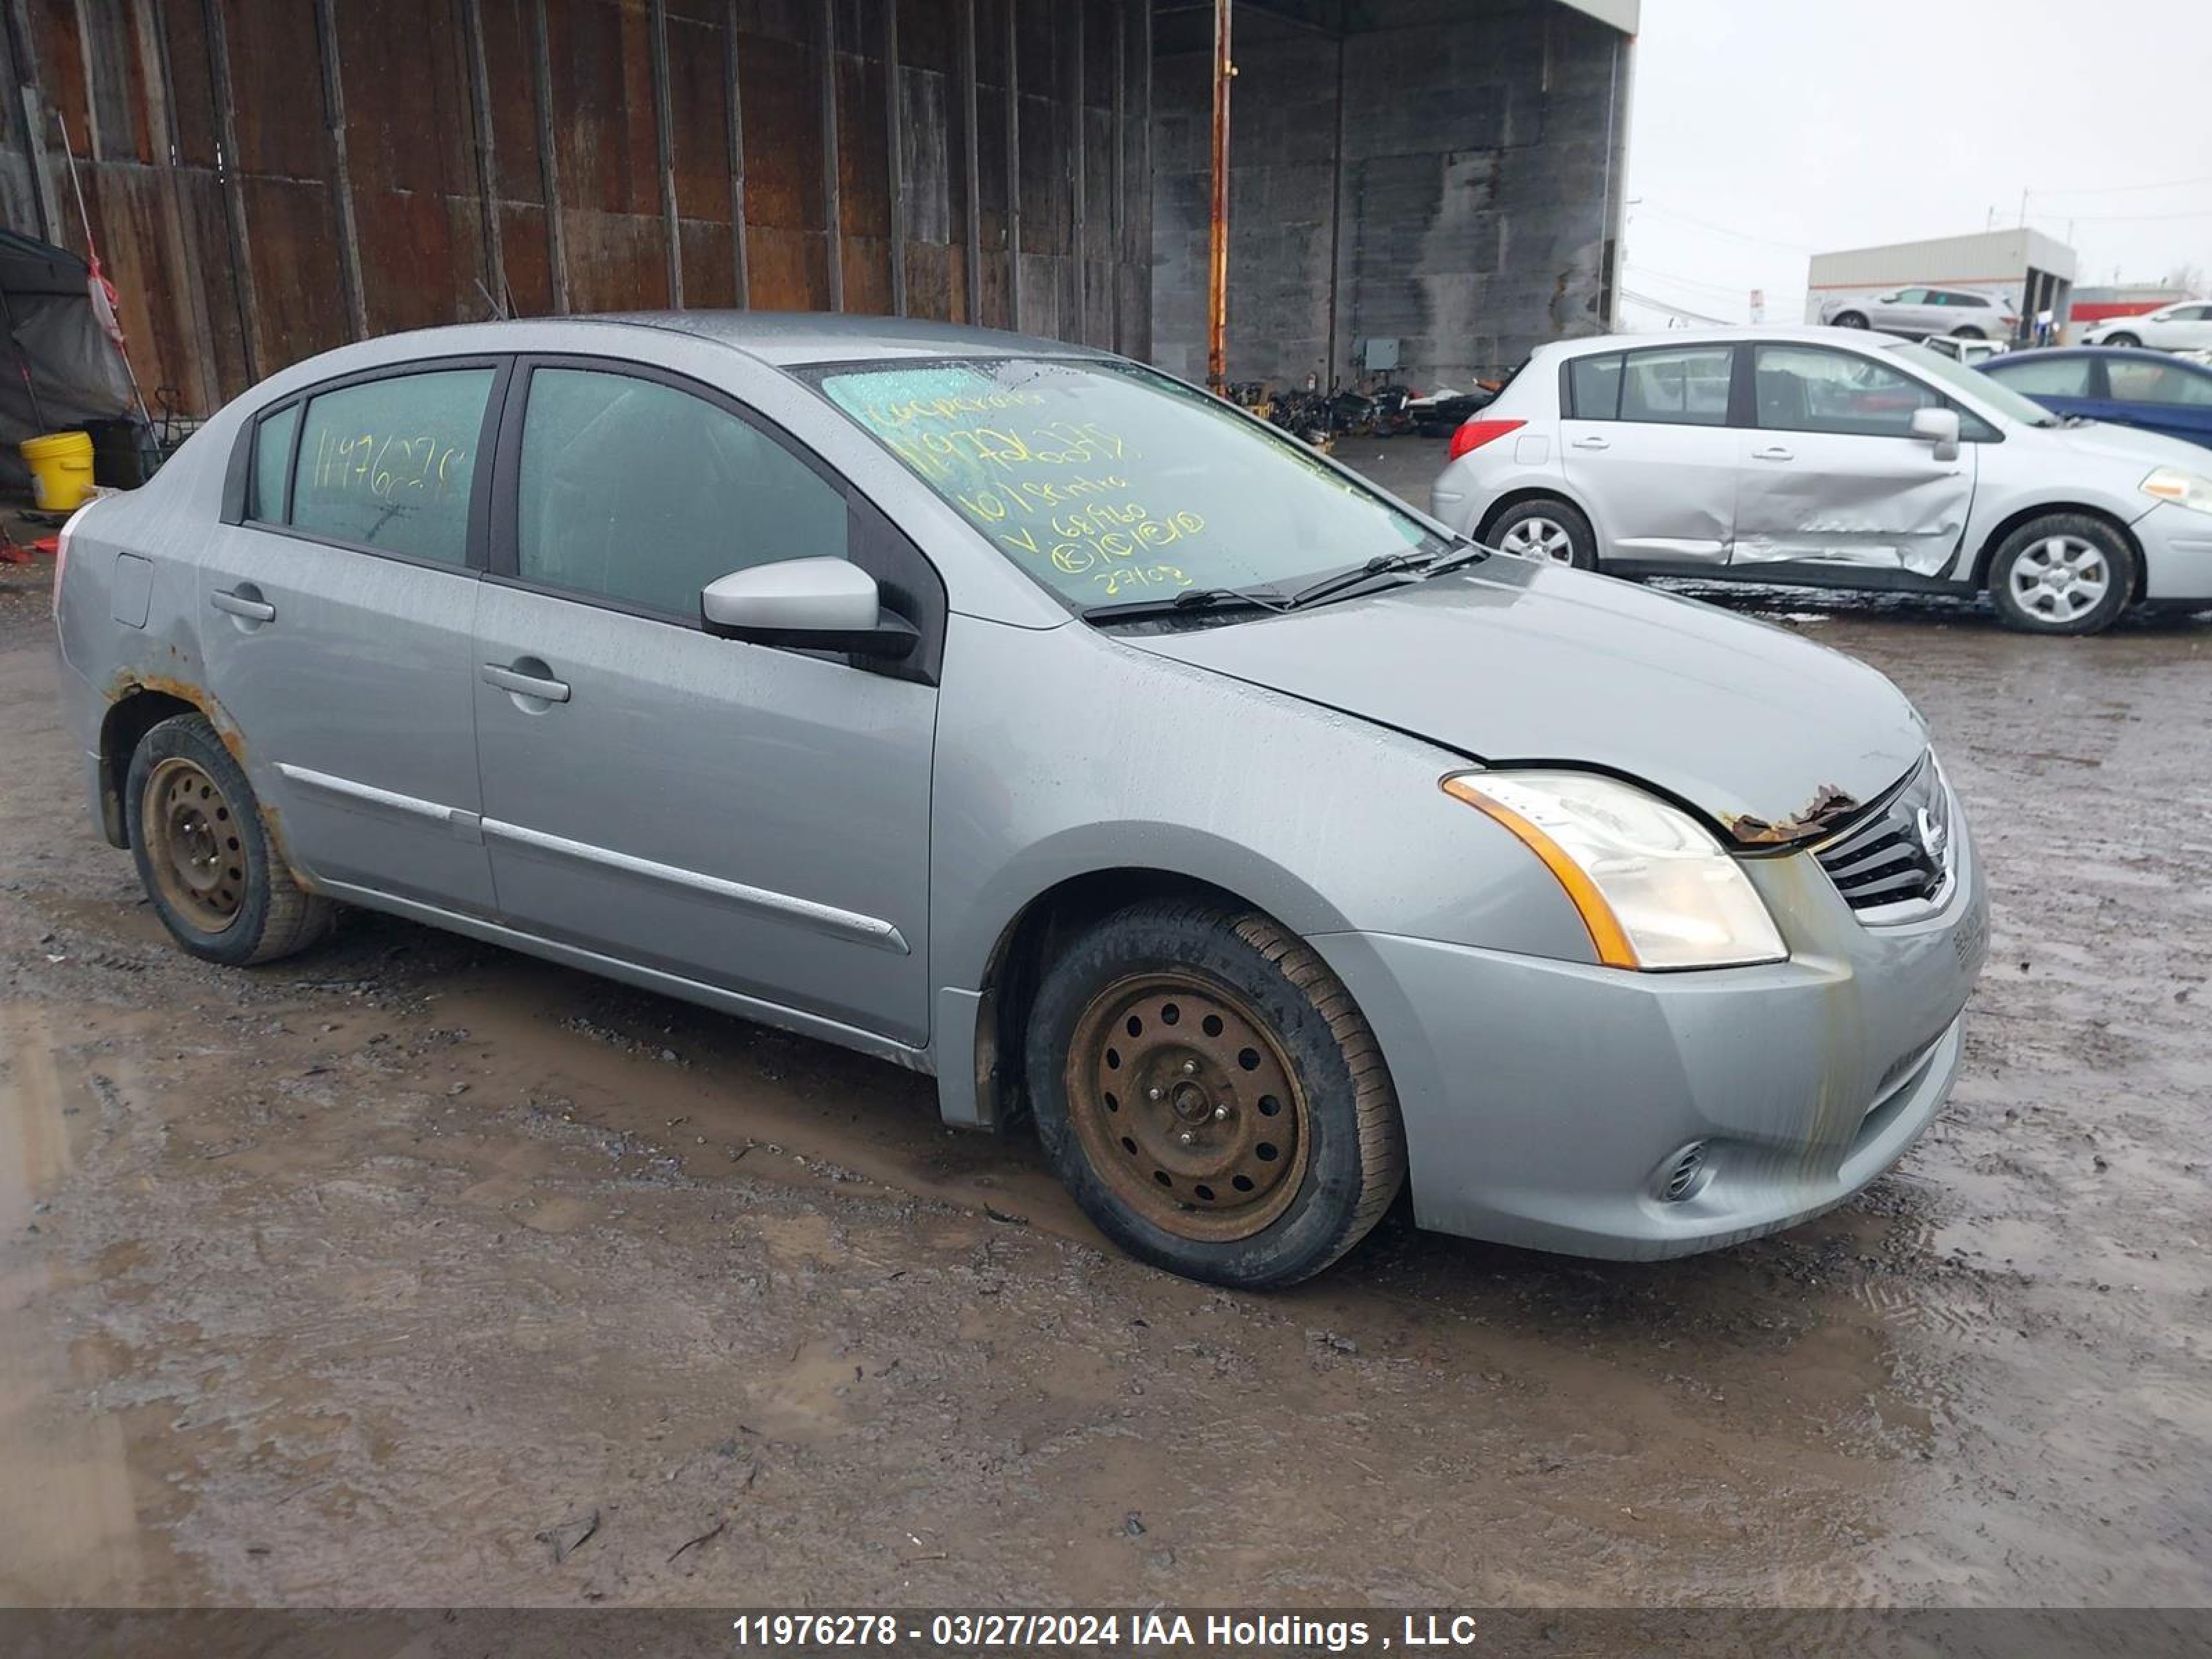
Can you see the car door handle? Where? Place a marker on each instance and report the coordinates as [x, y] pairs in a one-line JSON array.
[[1773, 453], [1593, 443], [525, 685], [240, 605]]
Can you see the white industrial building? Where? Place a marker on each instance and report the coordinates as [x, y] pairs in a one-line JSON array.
[[2032, 272]]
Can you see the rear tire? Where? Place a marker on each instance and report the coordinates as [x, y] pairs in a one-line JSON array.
[[1850, 320], [1544, 527], [1968, 332], [2064, 572], [205, 854], [1212, 1097]]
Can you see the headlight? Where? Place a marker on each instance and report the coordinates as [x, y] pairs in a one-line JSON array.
[[1653, 886], [2190, 489]]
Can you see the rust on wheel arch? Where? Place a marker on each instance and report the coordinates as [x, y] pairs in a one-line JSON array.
[[129, 683]]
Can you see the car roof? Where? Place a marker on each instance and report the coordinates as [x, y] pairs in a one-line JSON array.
[[1785, 333], [2133, 354], [788, 338]]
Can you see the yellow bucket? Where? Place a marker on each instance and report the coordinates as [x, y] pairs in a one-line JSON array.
[[61, 470]]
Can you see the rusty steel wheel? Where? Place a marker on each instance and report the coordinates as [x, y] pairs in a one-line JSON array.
[[1211, 1094], [1187, 1105], [193, 844], [204, 854]]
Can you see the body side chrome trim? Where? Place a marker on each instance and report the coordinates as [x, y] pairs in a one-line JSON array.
[[462, 823], [805, 912]]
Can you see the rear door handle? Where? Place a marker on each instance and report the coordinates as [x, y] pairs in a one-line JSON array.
[[525, 685], [238, 604], [1773, 453], [1593, 443]]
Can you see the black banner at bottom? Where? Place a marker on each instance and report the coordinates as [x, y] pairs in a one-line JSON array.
[[1159, 1632]]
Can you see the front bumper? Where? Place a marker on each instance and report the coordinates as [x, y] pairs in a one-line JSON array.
[[1546, 1102], [2176, 549]]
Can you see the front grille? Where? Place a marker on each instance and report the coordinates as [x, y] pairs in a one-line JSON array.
[[1900, 852]]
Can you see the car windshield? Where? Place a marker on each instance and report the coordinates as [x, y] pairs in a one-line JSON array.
[[1111, 483], [1984, 389]]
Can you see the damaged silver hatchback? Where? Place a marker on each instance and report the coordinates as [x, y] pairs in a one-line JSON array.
[[1017, 714]]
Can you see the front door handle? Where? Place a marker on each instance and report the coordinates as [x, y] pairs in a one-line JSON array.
[[1593, 443], [1773, 453], [243, 606], [541, 686]]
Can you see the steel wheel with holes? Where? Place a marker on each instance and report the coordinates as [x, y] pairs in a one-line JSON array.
[[204, 855], [2065, 573], [1544, 528], [1210, 1095]]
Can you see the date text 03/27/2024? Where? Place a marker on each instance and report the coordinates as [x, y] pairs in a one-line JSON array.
[[1150, 1630]]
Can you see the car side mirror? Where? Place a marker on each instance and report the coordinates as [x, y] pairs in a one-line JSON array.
[[1939, 426], [810, 604]]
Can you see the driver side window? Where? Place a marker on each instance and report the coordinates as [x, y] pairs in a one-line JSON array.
[[638, 492]]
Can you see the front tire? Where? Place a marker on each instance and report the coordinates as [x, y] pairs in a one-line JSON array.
[[2120, 340], [1544, 527], [204, 851], [1850, 320], [1212, 1097], [2064, 572]]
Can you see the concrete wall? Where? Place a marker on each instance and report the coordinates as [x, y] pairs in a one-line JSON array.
[[1461, 195]]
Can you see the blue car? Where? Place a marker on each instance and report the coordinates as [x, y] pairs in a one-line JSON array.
[[2130, 386]]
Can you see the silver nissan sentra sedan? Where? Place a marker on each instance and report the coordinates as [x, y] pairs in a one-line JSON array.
[[1017, 713]]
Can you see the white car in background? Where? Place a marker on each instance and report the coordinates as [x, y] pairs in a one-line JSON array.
[[2185, 325], [1919, 313], [1813, 457]]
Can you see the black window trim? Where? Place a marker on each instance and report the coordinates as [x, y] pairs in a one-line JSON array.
[[865, 520], [239, 486]]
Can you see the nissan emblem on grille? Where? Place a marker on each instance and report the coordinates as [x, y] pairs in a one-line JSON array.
[[1900, 853]]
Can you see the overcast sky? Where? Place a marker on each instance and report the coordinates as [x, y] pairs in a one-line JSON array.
[[1763, 130]]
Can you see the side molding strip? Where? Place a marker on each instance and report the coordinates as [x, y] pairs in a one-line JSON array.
[[462, 824], [822, 918]]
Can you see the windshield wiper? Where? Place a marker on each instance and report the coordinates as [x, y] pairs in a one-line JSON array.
[[1190, 599], [1381, 564], [1457, 558]]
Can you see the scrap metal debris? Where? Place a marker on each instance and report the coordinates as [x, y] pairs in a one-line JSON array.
[[569, 1536]]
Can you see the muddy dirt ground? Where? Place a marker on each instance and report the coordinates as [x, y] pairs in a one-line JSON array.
[[386, 1274]]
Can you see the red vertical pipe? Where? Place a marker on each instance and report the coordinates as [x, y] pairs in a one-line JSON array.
[[1217, 287]]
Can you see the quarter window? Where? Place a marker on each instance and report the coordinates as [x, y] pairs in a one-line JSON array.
[[2047, 377], [272, 454], [1810, 389], [637, 492], [1676, 386], [389, 463]]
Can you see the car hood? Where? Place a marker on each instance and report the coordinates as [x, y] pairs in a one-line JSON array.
[[2127, 447], [1513, 662]]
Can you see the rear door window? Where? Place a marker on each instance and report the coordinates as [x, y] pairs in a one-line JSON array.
[[2045, 377], [1684, 386], [389, 463]]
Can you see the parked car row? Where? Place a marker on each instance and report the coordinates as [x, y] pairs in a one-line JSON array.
[[1818, 456]]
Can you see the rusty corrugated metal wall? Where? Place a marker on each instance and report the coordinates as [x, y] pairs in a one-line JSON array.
[[267, 178]]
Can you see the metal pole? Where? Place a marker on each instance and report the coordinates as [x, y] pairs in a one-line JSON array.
[[1216, 287]]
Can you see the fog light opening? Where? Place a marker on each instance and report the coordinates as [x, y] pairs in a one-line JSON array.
[[1684, 1175]]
